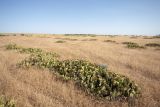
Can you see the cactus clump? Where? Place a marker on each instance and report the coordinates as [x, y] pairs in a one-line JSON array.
[[94, 78]]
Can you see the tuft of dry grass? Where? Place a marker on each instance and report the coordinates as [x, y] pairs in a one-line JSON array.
[[41, 88]]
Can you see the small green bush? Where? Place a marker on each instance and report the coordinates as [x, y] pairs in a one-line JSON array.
[[153, 45], [41, 60], [110, 41], [128, 43], [12, 46], [133, 45], [4, 102], [60, 41], [29, 50], [23, 50]]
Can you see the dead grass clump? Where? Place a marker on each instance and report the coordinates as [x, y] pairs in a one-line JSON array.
[[84, 40], [92, 39], [153, 45]]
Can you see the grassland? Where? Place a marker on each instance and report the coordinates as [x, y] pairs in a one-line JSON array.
[[35, 87]]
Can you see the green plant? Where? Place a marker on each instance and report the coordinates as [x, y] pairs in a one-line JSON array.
[[133, 45], [60, 41], [109, 41], [4, 102], [29, 50], [12, 46], [153, 45], [93, 78], [3, 35], [41, 60]]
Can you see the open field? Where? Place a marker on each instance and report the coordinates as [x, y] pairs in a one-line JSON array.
[[40, 88]]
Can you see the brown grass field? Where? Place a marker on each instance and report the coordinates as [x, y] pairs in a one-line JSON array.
[[41, 88]]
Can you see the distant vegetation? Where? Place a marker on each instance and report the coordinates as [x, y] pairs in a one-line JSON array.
[[133, 45], [91, 35], [157, 36], [60, 41], [70, 39], [152, 37], [153, 45], [112, 41], [134, 37], [3, 35], [92, 39]]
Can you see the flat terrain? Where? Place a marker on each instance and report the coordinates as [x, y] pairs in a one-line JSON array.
[[41, 88]]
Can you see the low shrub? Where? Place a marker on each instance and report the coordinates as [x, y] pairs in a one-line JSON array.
[[23, 50], [60, 41], [69, 39], [93, 35], [22, 34], [3, 35], [134, 37], [41, 60], [158, 36], [4, 102], [153, 45], [29, 50], [148, 37], [110, 41], [92, 39], [93, 78], [128, 43], [133, 45], [12, 46]]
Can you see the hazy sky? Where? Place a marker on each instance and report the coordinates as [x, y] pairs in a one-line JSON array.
[[80, 16]]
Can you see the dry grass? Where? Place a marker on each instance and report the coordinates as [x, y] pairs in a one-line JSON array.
[[41, 88]]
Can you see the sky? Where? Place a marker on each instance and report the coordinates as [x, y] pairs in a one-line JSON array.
[[131, 17]]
